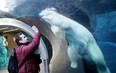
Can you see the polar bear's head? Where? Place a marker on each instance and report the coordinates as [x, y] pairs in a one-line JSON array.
[[48, 15], [51, 16], [47, 11]]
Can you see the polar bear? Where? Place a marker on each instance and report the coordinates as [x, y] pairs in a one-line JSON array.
[[79, 39]]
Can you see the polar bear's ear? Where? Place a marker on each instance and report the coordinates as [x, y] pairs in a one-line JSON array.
[[54, 9]]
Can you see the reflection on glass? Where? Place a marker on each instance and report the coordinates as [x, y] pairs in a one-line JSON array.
[[3, 52]]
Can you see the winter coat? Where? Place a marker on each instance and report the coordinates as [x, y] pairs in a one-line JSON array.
[[25, 53]]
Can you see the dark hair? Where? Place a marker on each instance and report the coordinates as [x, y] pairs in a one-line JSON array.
[[18, 38]]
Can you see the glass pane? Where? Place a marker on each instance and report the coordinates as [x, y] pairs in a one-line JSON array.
[[3, 52]]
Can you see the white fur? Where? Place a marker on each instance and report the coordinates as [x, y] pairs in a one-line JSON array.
[[79, 38], [55, 29]]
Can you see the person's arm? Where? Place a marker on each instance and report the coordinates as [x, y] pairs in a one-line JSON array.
[[30, 48]]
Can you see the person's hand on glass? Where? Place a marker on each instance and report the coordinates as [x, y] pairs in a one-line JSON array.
[[35, 28]]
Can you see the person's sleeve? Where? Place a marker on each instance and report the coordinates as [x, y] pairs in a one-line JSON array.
[[30, 48]]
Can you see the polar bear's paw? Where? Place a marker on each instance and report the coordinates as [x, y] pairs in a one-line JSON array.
[[73, 65], [55, 29]]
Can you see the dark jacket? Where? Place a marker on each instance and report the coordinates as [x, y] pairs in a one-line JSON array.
[[26, 53]]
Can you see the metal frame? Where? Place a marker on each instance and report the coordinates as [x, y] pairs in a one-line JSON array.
[[9, 22]]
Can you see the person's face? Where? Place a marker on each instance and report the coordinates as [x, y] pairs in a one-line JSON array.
[[24, 39]]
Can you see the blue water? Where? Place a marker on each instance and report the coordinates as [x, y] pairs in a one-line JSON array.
[[109, 52]]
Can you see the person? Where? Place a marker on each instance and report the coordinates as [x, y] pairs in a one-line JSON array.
[[27, 60]]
